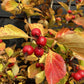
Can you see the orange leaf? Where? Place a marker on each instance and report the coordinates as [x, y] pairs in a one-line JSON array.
[[2, 46], [79, 21], [12, 60], [55, 68]]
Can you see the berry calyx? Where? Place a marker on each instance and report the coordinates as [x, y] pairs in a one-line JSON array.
[[28, 49], [73, 17], [41, 41], [77, 76], [69, 11], [81, 72], [36, 32], [1, 41], [37, 65], [38, 51]]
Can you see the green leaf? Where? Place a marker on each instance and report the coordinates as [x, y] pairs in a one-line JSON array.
[[9, 51], [39, 78], [64, 5], [64, 80], [15, 69], [49, 42], [10, 31]]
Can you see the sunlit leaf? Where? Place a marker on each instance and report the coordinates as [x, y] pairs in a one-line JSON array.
[[11, 5], [9, 51], [39, 78], [9, 72], [49, 42], [37, 25], [12, 60], [32, 70], [74, 42], [79, 21], [10, 31], [32, 58], [15, 69], [55, 68], [1, 67], [2, 46], [43, 58], [64, 5]]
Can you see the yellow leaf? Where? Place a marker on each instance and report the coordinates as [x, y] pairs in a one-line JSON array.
[[1, 67], [64, 5], [32, 70], [32, 58], [9, 51], [10, 31], [37, 25], [11, 5], [9, 72], [43, 58], [39, 78], [2, 46], [25, 1], [74, 42]]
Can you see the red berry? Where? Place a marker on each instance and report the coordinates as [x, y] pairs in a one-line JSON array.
[[81, 72], [79, 0], [41, 65], [37, 65], [38, 51], [72, 74], [16, 76], [28, 49], [73, 17], [36, 32], [11, 64], [1, 40], [41, 41], [76, 2], [69, 11], [77, 76], [77, 68], [0, 76], [42, 68]]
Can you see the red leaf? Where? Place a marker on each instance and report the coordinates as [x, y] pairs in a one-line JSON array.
[[55, 68]]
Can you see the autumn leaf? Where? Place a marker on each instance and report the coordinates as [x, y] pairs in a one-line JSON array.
[[55, 68], [32, 70], [11, 5], [9, 51], [15, 69], [74, 42], [10, 31], [1, 67], [9, 72], [37, 25], [39, 78], [64, 5], [79, 21], [2, 46], [12, 60]]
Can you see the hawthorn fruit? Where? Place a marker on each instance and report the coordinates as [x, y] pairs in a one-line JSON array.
[[69, 11], [41, 41], [28, 49], [36, 32]]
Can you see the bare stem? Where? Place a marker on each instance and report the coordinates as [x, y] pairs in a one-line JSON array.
[[70, 4], [51, 4]]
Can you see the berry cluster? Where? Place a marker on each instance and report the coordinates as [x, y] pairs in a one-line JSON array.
[[40, 65], [38, 51], [78, 75]]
